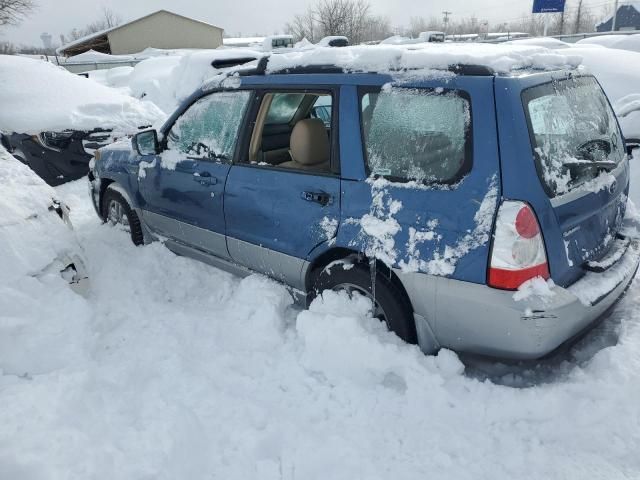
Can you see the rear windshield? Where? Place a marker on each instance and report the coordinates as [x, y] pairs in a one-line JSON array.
[[573, 131]]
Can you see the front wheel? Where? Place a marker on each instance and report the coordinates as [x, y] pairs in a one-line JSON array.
[[116, 211], [389, 304]]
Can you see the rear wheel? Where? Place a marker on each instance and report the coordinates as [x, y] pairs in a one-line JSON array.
[[116, 211], [389, 303]]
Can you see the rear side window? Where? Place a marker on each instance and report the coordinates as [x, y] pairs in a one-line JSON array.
[[417, 134], [573, 132], [209, 127]]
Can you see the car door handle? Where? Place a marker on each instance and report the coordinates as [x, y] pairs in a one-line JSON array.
[[318, 197], [204, 178]]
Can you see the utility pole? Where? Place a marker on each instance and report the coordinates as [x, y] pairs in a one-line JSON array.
[[445, 19], [578, 14], [615, 15]]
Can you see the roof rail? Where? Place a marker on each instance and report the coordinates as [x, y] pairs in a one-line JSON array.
[[261, 68], [471, 70], [231, 62]]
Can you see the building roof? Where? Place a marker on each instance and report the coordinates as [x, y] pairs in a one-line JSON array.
[[95, 37], [625, 6]]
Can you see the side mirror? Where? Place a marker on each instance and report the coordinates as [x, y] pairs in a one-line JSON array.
[[146, 143], [631, 144]]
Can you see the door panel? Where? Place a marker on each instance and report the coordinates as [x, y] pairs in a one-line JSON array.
[[281, 211], [183, 188], [186, 204]]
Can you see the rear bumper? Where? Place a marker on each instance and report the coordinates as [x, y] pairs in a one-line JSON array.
[[478, 319]]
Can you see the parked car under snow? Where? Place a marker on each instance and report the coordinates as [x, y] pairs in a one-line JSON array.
[[35, 231], [57, 157]]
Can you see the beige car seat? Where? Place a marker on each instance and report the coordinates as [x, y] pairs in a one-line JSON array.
[[309, 146]]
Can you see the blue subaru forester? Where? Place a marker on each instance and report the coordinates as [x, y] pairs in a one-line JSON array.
[[478, 211]]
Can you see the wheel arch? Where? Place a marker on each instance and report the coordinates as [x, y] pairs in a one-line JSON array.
[[339, 253]]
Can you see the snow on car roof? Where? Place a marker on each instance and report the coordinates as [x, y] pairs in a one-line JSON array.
[[38, 96], [382, 58]]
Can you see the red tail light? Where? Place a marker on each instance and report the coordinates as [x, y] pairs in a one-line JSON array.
[[518, 251]]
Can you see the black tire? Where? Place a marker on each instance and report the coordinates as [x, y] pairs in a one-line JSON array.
[[112, 199], [390, 301]]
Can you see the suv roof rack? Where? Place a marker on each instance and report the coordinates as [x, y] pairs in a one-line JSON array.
[[231, 62], [261, 69]]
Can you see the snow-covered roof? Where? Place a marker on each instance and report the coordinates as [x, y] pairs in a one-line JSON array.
[[60, 50], [242, 41], [427, 56], [93, 56], [635, 5], [325, 41]]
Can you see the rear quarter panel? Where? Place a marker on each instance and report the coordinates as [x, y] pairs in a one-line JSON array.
[[440, 231]]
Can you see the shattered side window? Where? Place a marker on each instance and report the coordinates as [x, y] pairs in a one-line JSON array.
[[574, 133], [417, 134], [209, 128]]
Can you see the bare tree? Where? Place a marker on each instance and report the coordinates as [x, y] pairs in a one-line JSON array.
[[12, 12], [351, 18], [108, 19]]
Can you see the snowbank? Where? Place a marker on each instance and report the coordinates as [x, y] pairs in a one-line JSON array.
[[175, 370], [38, 96], [167, 80], [33, 238], [619, 74], [502, 58], [622, 42]]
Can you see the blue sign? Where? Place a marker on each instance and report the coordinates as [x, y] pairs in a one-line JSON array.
[[548, 6]]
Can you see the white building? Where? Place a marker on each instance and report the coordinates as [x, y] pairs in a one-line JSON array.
[[161, 29]]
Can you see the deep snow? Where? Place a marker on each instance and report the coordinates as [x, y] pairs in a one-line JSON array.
[[39, 96], [172, 369]]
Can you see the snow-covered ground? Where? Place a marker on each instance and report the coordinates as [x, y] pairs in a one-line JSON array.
[[172, 369]]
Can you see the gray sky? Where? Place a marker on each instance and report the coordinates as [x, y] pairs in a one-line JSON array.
[[247, 16]]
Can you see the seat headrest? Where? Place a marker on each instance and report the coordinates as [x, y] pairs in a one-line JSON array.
[[309, 142]]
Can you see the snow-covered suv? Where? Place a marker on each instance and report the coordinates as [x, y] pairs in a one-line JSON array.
[[476, 200]]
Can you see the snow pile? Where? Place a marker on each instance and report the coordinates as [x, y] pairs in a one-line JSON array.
[[618, 73], [620, 42], [167, 80], [175, 370], [38, 96], [502, 58], [116, 77], [546, 42], [36, 245]]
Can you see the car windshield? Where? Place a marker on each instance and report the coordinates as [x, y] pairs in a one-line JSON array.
[[574, 132]]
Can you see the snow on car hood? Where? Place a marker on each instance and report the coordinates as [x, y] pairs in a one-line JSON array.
[[502, 58], [37, 96]]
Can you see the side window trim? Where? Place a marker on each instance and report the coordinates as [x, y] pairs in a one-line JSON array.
[[469, 137], [168, 127], [242, 154]]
